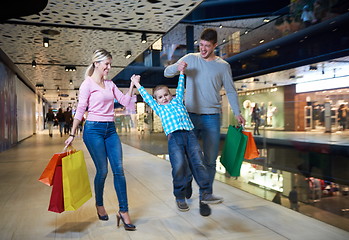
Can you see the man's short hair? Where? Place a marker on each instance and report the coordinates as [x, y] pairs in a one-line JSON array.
[[209, 34]]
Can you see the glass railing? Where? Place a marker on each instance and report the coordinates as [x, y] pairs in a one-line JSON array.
[[310, 157]]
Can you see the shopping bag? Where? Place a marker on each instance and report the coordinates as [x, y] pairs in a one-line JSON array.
[[76, 184], [233, 150], [47, 175], [56, 200], [251, 151]]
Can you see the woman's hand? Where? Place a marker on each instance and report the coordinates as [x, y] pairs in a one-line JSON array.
[[68, 141], [135, 78]]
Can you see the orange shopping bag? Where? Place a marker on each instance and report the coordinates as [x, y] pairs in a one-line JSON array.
[[251, 151], [47, 175]]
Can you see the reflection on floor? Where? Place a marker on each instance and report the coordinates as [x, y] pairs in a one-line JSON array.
[[24, 202], [156, 143]]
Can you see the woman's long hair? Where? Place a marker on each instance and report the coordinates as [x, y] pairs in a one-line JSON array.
[[98, 55]]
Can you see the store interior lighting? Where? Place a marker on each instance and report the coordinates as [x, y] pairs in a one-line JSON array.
[[323, 84]]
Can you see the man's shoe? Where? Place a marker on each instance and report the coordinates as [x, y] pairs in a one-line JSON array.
[[182, 206], [211, 199], [189, 191], [205, 210]]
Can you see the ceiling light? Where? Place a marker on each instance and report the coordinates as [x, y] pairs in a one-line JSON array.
[[70, 68], [274, 84], [256, 79], [45, 42], [246, 31], [223, 40], [144, 38], [220, 26], [33, 64], [128, 54], [58, 89], [261, 41], [266, 20], [71, 82]]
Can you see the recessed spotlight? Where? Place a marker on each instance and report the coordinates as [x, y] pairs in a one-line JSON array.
[[144, 38], [45, 42], [128, 54], [33, 64]]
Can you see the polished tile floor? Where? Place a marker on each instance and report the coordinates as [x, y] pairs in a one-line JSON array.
[[24, 202]]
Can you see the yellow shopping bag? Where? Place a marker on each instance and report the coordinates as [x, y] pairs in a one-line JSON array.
[[76, 184]]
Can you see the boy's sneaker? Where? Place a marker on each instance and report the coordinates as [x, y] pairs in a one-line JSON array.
[[211, 199], [205, 210], [182, 206]]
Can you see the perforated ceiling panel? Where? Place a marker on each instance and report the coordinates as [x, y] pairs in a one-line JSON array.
[[76, 28]]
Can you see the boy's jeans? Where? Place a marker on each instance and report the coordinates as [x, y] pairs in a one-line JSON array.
[[185, 156], [103, 142]]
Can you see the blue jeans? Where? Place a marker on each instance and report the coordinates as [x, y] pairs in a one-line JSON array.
[[207, 127], [61, 126], [103, 142], [185, 155]]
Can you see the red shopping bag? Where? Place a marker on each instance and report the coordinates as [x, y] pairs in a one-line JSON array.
[[47, 175], [57, 198], [251, 151]]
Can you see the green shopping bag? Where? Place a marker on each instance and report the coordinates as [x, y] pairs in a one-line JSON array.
[[234, 150], [76, 184]]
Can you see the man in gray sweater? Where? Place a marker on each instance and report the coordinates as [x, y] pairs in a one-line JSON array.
[[206, 75]]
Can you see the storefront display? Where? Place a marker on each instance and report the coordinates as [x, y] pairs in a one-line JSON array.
[[316, 117], [254, 174]]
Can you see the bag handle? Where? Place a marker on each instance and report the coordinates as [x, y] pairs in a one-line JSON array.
[[69, 149]]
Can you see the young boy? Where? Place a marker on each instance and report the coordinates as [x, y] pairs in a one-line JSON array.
[[184, 150]]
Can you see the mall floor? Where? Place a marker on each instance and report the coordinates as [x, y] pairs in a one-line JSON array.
[[24, 201]]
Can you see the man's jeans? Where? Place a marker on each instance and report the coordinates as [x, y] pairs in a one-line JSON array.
[[207, 127], [185, 157], [103, 142]]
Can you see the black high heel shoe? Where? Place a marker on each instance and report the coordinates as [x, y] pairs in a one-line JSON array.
[[103, 218], [128, 227]]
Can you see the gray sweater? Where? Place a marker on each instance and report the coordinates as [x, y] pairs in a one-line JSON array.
[[205, 79]]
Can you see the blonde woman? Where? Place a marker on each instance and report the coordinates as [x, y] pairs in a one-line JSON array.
[[96, 94]]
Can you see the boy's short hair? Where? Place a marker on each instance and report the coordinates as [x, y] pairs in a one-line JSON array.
[[158, 87], [209, 34]]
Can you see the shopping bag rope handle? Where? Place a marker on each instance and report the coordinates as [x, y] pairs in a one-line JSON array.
[[70, 149]]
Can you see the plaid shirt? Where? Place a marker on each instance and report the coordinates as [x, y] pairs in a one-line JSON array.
[[174, 115]]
